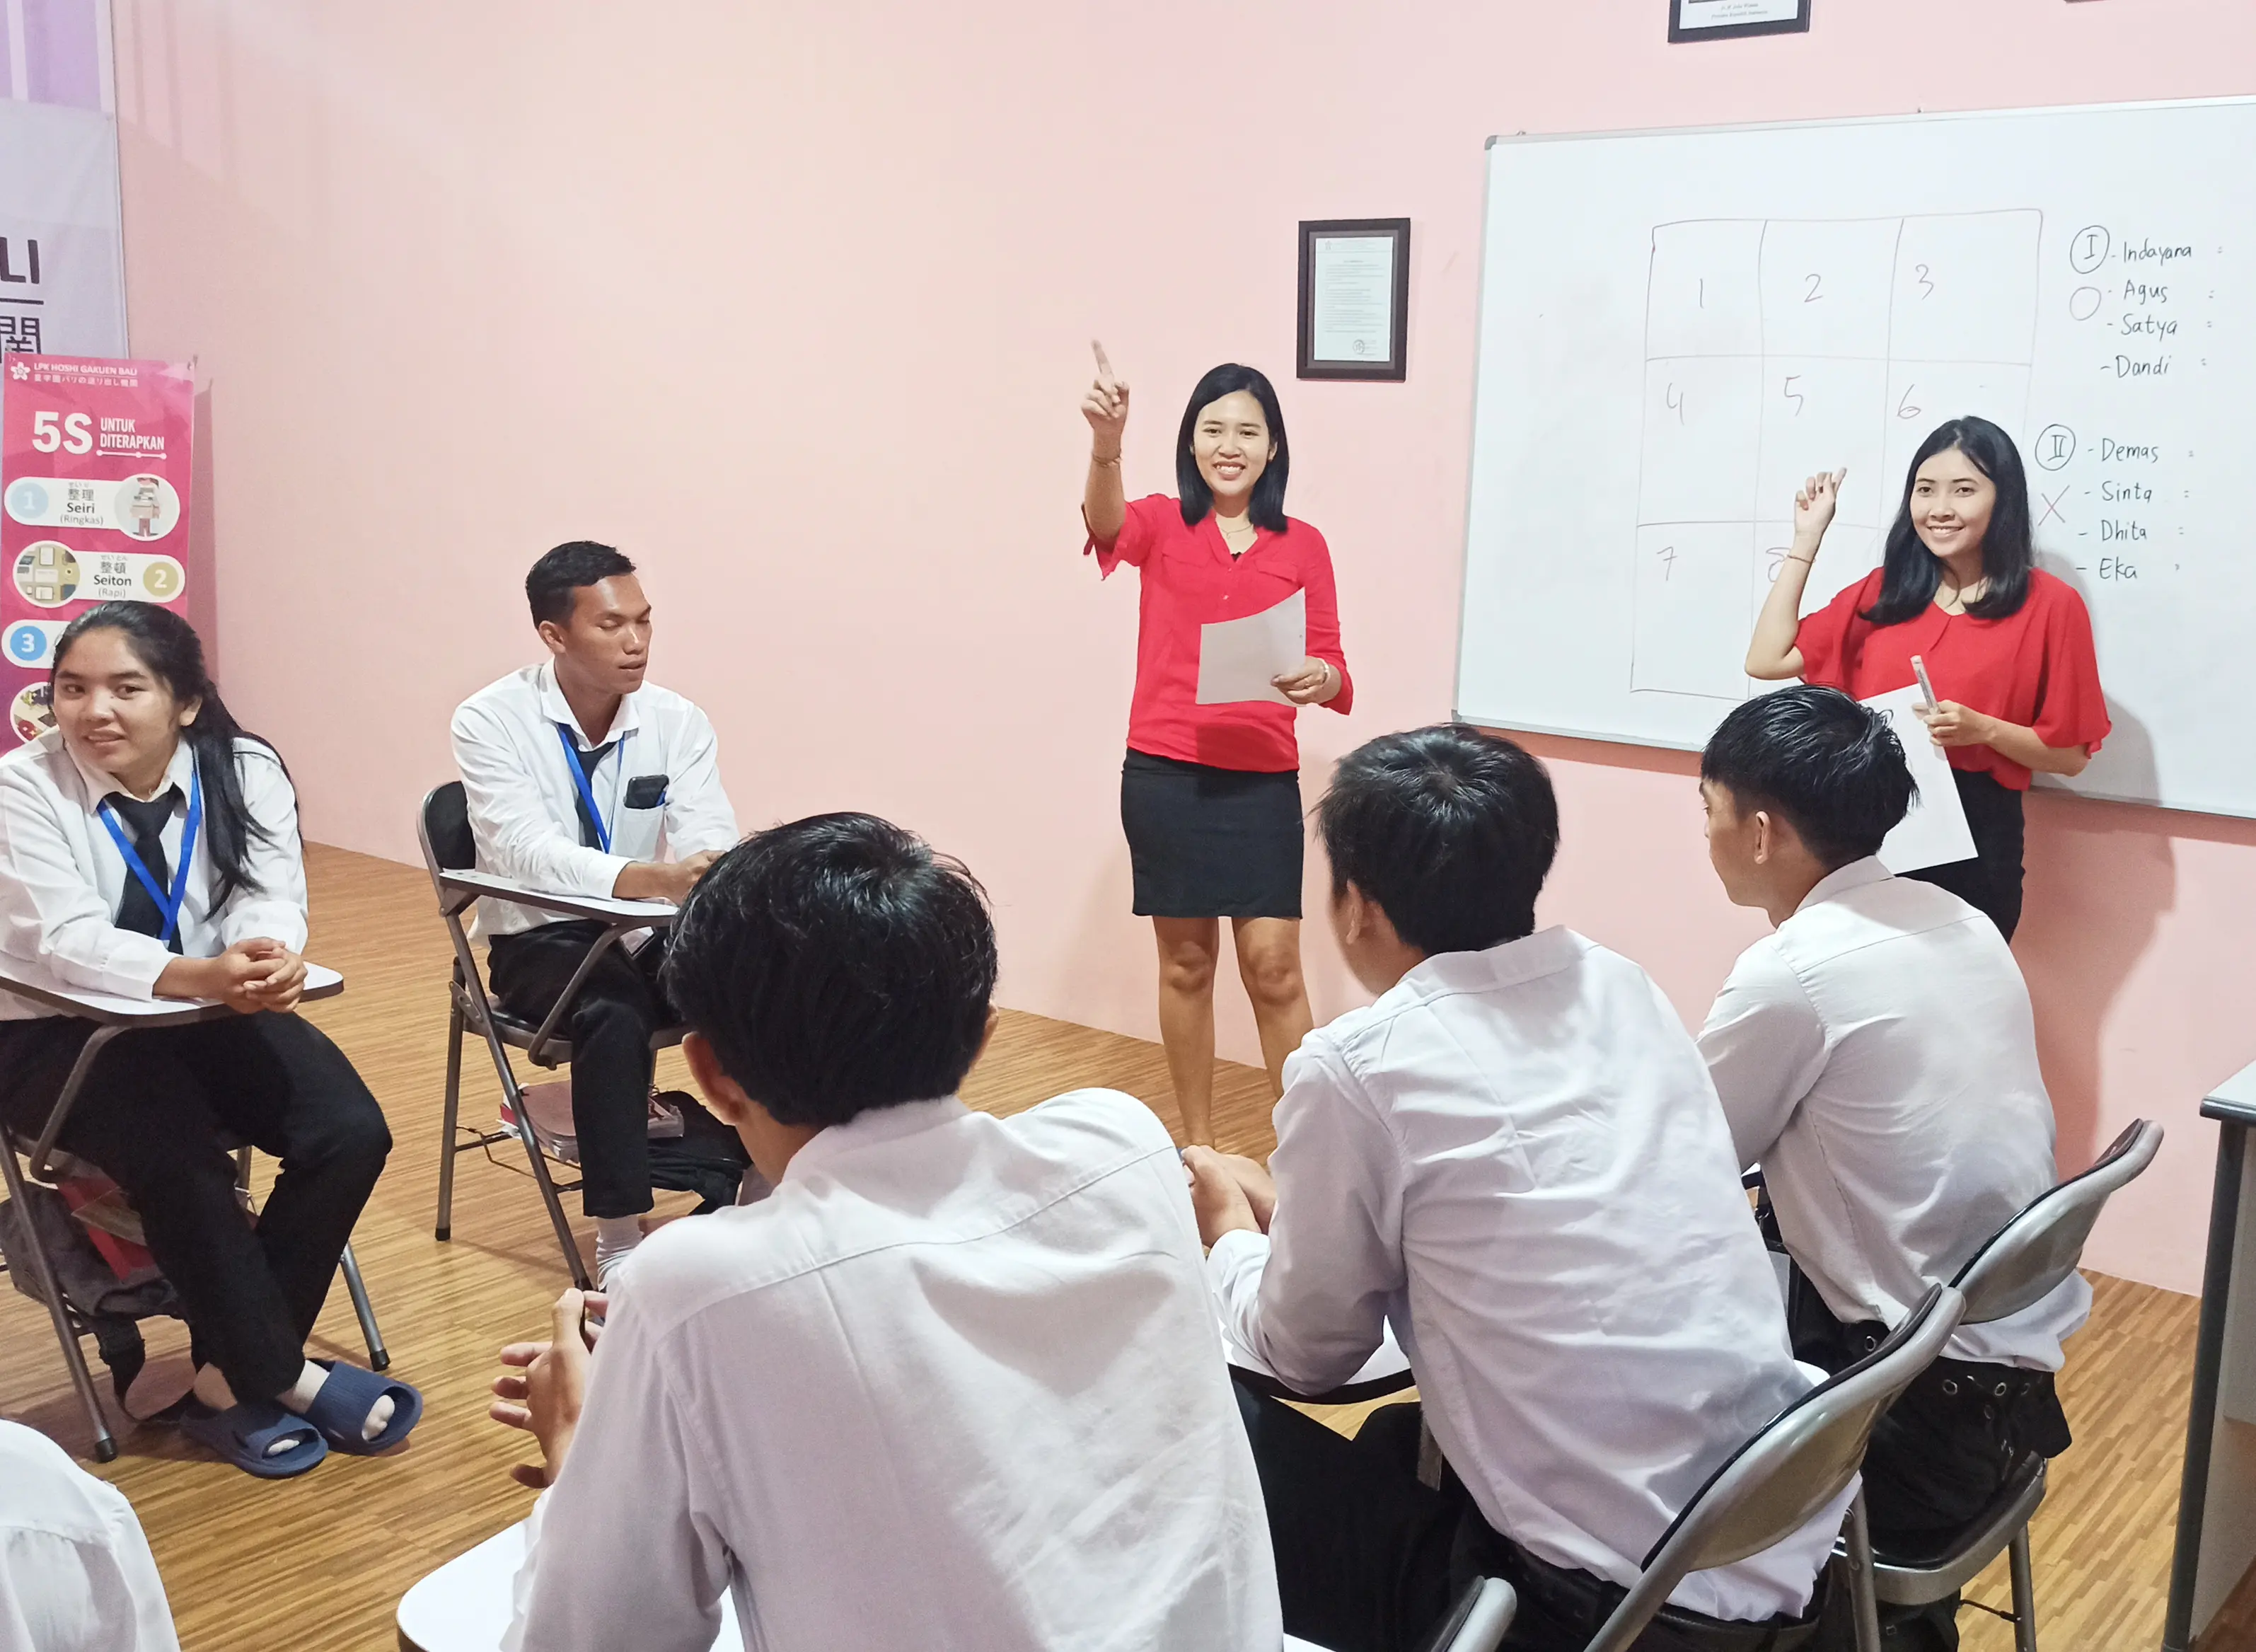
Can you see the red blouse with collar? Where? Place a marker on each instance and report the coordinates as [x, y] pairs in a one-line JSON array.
[[2036, 666], [1190, 580]]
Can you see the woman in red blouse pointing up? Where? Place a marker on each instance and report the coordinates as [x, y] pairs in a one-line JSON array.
[[2007, 646], [1210, 794]]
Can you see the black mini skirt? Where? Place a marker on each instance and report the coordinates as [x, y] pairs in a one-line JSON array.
[[1211, 843]]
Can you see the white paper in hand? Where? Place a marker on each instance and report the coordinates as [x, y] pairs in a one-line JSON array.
[[1934, 833], [1237, 658]]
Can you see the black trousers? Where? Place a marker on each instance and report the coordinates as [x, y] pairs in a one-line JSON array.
[[152, 1114], [618, 1008], [1990, 883], [1369, 1558]]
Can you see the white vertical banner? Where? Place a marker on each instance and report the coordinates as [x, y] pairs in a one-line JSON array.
[[62, 262]]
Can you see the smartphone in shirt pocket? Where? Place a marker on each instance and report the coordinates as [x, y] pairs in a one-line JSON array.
[[647, 791]]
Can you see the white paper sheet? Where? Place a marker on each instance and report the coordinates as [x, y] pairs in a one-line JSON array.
[[1239, 657], [1934, 833]]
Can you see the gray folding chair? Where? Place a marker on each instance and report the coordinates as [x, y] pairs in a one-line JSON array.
[[1780, 1480], [443, 826], [2022, 1263], [112, 1020], [1762, 1494]]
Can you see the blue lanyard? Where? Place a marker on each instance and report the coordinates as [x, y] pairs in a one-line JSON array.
[[587, 796], [167, 904]]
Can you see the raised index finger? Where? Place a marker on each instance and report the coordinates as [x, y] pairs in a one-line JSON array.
[[1103, 365]]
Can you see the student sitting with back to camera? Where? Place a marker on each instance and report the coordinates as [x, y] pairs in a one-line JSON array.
[[956, 1382], [1876, 1055], [1515, 1158], [583, 779]]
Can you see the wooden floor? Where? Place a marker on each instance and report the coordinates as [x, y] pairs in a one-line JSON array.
[[320, 1563]]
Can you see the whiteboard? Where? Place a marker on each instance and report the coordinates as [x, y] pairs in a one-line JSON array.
[[1677, 327]]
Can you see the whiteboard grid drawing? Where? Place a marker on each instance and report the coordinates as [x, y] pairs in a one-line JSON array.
[[1830, 341], [1678, 327]]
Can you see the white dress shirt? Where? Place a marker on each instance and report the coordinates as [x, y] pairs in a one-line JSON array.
[[61, 876], [525, 806], [955, 1385], [75, 1573], [1516, 1157], [1877, 1054]]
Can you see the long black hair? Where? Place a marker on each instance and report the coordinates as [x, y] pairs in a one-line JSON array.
[[1267, 508], [169, 647], [1910, 573]]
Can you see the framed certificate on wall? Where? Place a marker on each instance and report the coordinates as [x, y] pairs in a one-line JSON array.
[[1731, 19], [1355, 298]]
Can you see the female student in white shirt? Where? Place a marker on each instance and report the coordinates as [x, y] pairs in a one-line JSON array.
[[149, 849]]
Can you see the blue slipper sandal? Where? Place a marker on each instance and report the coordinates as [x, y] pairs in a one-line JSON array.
[[244, 1435], [340, 1409]]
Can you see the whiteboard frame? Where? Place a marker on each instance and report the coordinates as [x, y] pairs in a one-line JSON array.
[[2041, 782]]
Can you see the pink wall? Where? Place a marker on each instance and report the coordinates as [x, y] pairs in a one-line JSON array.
[[793, 303]]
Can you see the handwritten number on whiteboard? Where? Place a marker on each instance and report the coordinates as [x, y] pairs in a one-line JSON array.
[[1674, 398], [1816, 291], [1926, 286], [1904, 408], [1793, 395], [1667, 556]]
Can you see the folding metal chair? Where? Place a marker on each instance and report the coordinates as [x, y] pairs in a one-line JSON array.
[[443, 826], [1762, 1494], [113, 1017], [2022, 1263]]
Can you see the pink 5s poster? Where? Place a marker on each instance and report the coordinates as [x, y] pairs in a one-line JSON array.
[[94, 506]]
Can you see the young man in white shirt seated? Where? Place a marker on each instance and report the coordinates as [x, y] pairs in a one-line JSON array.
[[1515, 1158], [956, 1382], [1876, 1056], [583, 779], [75, 1571]]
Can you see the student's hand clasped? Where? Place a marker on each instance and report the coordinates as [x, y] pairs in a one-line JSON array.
[[547, 1400], [1219, 1199], [280, 987], [1312, 683], [1951, 723]]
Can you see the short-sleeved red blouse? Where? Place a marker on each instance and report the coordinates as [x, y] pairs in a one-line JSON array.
[[2036, 666], [1190, 580]]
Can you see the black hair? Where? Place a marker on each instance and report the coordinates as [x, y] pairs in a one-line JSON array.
[[835, 964], [168, 646], [549, 588], [1450, 830], [1831, 769], [1267, 506], [1910, 573]]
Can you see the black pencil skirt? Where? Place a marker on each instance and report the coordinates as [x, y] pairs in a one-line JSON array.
[[1211, 843], [1990, 883]]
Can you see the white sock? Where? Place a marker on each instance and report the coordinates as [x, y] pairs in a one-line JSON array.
[[616, 1239], [309, 1388], [211, 1389]]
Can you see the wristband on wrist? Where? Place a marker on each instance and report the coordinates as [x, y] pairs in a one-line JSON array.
[[1099, 458]]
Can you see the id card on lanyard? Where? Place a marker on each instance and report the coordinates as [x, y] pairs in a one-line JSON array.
[[572, 760], [169, 904]]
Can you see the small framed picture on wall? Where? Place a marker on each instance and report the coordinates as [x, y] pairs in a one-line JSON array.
[[1733, 19], [1355, 298]]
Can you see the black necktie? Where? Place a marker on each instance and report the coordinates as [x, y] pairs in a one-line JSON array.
[[588, 761], [145, 824]]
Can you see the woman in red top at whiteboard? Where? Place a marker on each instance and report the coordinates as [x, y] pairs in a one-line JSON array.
[[1210, 794], [2008, 645]]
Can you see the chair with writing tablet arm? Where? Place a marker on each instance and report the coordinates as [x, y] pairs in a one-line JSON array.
[[114, 1017], [2021, 1264], [442, 827]]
